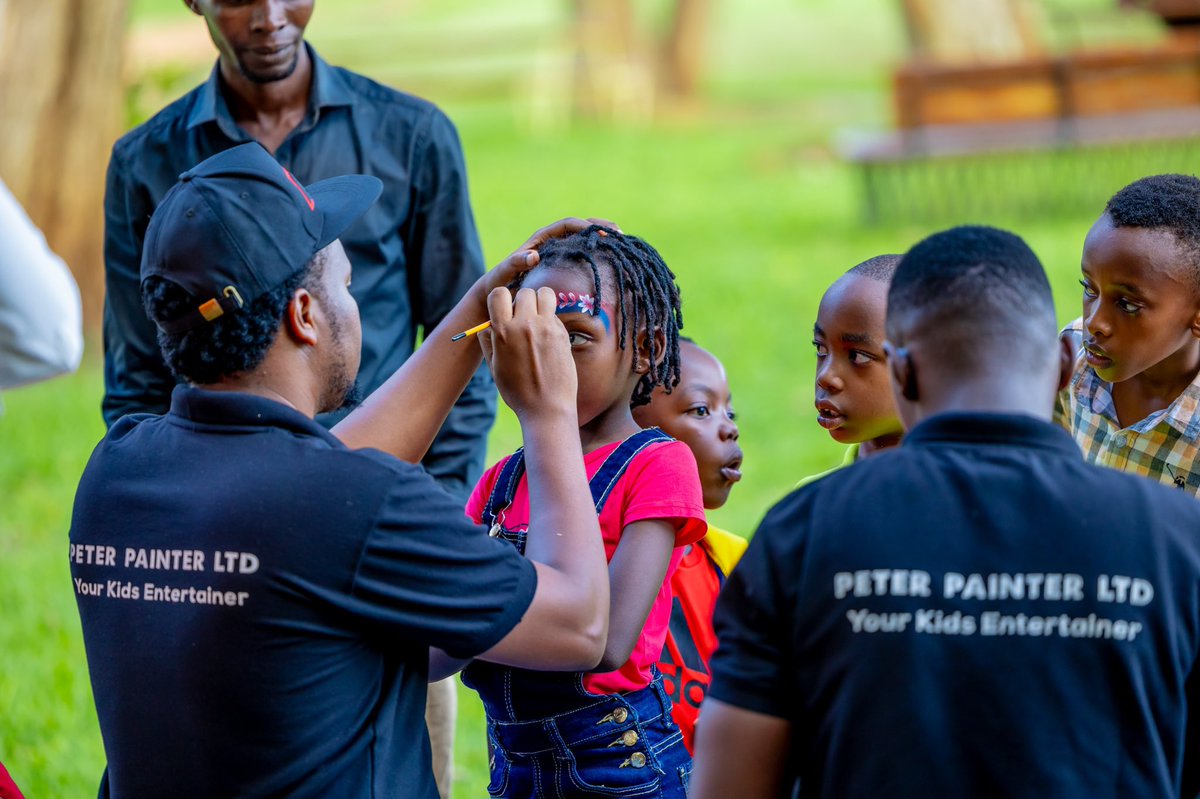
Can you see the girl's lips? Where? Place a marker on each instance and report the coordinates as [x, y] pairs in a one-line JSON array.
[[731, 473]]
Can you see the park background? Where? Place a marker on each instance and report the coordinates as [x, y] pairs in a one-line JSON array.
[[739, 185]]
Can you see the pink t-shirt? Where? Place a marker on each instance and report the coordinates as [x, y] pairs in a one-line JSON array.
[[662, 482]]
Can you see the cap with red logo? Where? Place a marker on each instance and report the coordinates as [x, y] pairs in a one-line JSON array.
[[238, 224]]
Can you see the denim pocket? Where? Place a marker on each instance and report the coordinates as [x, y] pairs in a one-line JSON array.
[[597, 770], [499, 767], [685, 777]]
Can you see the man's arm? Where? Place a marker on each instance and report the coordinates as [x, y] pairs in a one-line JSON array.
[[445, 259], [739, 753], [135, 378], [41, 332], [404, 414]]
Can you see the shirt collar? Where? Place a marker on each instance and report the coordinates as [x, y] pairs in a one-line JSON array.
[[231, 409], [1183, 413], [994, 429], [329, 90]]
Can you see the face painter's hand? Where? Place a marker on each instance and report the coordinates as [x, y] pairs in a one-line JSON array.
[[529, 354], [526, 257]]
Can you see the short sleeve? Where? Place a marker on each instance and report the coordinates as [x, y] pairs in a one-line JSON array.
[[664, 483], [431, 576], [751, 666], [483, 489]]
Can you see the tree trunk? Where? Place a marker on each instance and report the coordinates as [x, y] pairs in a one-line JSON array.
[[611, 78], [61, 106], [684, 48]]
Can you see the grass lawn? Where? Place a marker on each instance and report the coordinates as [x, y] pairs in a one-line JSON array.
[[742, 197]]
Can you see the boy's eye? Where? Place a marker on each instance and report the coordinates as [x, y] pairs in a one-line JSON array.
[[1125, 306], [822, 350], [699, 411], [858, 357], [1088, 291]]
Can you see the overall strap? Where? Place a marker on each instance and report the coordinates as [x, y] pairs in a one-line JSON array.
[[618, 461], [504, 489]]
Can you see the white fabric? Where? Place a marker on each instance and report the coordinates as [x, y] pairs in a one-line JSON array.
[[41, 325]]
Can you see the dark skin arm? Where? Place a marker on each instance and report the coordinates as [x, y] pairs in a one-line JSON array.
[[403, 415], [739, 753], [635, 573]]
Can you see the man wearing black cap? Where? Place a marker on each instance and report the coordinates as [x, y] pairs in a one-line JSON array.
[[978, 613], [258, 597]]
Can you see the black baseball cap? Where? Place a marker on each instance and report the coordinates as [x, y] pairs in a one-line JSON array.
[[238, 224]]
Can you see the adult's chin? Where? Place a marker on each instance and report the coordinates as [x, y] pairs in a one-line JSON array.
[[259, 69]]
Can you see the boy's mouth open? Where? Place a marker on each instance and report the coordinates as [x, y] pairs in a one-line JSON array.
[[732, 470], [1096, 357], [829, 417]]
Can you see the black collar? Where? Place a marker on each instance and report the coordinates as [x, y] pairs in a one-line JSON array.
[[233, 410], [992, 429]]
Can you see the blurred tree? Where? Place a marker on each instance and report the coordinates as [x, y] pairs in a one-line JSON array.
[[684, 48], [619, 71], [60, 110]]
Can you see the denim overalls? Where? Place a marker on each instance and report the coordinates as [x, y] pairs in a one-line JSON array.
[[550, 737]]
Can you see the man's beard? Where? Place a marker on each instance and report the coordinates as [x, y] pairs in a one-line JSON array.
[[351, 397], [270, 77]]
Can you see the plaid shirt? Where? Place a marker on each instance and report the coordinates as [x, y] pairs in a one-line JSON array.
[[1164, 446]]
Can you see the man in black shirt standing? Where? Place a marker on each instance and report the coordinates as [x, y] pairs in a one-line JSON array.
[[415, 252], [979, 612]]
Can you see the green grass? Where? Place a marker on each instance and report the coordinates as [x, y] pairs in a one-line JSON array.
[[742, 197]]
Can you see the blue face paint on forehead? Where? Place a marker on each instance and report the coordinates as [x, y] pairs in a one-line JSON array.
[[570, 302]]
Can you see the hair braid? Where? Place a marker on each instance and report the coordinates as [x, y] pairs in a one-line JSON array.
[[647, 296]]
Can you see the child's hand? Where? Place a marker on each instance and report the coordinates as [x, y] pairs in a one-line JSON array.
[[526, 256], [528, 352]]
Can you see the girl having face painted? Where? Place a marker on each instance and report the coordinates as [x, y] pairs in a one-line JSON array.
[[607, 732]]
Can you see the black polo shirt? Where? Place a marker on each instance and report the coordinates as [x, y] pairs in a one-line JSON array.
[[258, 603], [978, 613], [415, 251]]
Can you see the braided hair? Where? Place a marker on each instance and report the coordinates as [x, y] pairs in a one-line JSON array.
[[647, 296]]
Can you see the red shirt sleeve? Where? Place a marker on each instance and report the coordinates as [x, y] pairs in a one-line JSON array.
[[664, 483], [483, 490]]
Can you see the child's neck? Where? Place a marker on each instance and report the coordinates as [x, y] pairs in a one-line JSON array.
[[1157, 387], [876, 445], [615, 424]]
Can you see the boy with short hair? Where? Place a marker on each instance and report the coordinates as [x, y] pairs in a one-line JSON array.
[[699, 412], [853, 394], [1133, 402]]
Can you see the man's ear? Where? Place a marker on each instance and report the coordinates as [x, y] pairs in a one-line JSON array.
[[904, 371], [299, 319], [1196, 324], [641, 355], [1066, 359]]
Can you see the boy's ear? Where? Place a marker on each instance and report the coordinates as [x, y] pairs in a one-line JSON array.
[[1066, 359], [1196, 324], [641, 355], [904, 371]]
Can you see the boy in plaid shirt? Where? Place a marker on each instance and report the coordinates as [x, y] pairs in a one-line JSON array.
[[1133, 401]]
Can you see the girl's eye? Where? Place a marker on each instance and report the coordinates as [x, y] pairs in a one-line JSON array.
[[1088, 291], [822, 350], [700, 411], [577, 339], [858, 357], [1125, 306], [731, 415]]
